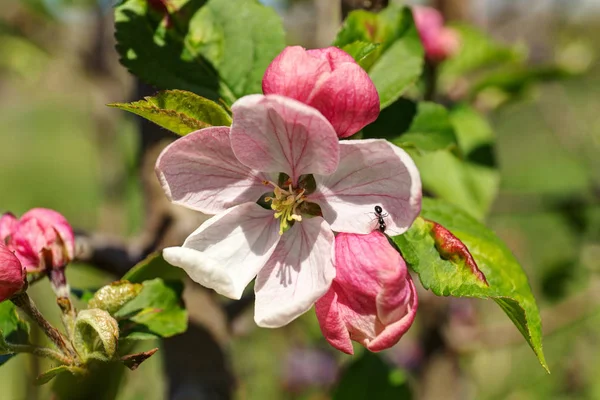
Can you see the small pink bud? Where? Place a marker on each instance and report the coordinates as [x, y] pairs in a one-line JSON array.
[[12, 274], [438, 41], [40, 237], [329, 80], [372, 299]]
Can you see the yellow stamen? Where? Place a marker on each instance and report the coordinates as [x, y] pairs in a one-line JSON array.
[[285, 204]]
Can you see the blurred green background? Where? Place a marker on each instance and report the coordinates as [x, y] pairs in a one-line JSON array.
[[61, 148]]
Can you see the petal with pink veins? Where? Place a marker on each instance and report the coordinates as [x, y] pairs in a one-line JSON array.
[[299, 272], [226, 252], [278, 134], [200, 171], [371, 172]]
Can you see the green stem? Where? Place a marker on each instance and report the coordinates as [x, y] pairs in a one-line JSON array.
[[24, 302], [40, 352]]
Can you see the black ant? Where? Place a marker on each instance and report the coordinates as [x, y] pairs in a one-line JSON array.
[[380, 218]]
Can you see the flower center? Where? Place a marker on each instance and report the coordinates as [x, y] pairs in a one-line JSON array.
[[285, 204]]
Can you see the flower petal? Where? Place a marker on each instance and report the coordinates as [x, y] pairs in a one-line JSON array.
[[371, 172], [392, 333], [229, 249], [278, 134], [331, 322], [294, 73], [348, 110], [200, 171], [329, 80], [299, 272]]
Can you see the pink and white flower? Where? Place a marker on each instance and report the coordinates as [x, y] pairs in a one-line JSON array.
[[329, 80], [372, 299], [280, 183]]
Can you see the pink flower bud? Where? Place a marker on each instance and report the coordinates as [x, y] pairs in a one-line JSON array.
[[372, 299], [12, 274], [328, 80], [439, 42], [41, 230]]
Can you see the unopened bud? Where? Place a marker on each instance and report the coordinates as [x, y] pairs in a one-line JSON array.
[[12, 274]]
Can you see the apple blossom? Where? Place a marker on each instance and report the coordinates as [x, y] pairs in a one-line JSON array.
[[12, 274], [329, 80], [439, 42], [37, 230], [372, 299], [280, 182]]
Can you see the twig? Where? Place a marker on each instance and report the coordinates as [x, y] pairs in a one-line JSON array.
[[40, 352], [24, 302]]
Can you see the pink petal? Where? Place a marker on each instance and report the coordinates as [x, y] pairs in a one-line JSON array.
[[294, 73], [12, 274], [279, 134], [298, 273], [52, 223], [371, 172], [393, 332], [229, 249], [331, 322], [348, 111], [200, 171], [8, 223], [329, 80], [334, 56]]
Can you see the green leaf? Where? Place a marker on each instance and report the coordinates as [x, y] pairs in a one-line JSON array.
[[470, 182], [508, 285], [96, 335], [179, 111], [215, 48], [47, 376], [517, 80], [153, 266], [111, 298], [157, 309], [370, 377], [12, 328], [359, 50], [423, 126], [478, 50], [398, 61]]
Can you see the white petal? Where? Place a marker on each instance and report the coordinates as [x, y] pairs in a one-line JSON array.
[[298, 274], [200, 171], [371, 173], [278, 134], [229, 249]]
